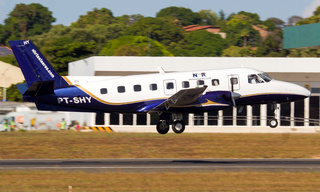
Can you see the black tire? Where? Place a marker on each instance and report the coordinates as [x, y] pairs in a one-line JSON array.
[[178, 127], [163, 127], [273, 123]]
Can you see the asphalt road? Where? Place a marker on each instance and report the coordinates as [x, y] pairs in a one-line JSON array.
[[163, 165]]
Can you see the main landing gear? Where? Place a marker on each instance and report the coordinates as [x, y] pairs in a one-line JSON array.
[[178, 125]]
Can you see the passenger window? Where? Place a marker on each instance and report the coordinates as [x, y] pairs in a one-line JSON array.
[[170, 85], [121, 89], [103, 91], [215, 82], [137, 88], [153, 87], [185, 84], [200, 82]]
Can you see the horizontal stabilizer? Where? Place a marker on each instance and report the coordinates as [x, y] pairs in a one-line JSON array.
[[40, 88], [22, 88]]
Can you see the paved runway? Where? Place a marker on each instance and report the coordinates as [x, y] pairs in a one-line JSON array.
[[163, 165]]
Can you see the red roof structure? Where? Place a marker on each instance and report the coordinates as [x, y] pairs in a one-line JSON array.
[[209, 28]]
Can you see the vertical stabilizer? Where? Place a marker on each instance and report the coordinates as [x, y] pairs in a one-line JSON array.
[[33, 64]]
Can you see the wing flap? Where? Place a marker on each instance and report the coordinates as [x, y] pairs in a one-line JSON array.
[[183, 97]]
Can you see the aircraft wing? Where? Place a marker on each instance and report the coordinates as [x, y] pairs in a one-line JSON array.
[[183, 97]]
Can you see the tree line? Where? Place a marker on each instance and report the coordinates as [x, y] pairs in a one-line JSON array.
[[100, 33]]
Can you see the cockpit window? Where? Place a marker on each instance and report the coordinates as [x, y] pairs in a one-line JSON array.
[[259, 78], [253, 79], [265, 77]]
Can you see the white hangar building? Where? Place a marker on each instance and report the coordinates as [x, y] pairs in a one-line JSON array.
[[301, 116]]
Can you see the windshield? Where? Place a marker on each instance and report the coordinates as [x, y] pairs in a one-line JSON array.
[[265, 77], [259, 78]]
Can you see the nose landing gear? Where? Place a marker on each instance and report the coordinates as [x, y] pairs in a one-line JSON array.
[[273, 122]]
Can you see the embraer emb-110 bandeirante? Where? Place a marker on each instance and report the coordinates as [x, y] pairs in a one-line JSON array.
[[171, 95]]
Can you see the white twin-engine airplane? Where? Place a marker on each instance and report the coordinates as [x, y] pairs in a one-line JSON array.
[[171, 95]]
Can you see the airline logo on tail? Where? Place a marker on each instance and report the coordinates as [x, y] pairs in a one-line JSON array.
[[42, 63], [26, 42]]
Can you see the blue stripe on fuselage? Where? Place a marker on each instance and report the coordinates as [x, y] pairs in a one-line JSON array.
[[75, 99]]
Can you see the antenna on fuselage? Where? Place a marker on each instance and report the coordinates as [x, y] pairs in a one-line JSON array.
[[160, 69]]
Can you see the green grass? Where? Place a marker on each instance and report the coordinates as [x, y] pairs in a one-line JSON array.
[[73, 145]]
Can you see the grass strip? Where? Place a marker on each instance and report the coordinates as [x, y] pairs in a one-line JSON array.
[[42, 181], [73, 145]]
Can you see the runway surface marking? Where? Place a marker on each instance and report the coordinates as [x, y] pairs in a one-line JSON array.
[[154, 165]]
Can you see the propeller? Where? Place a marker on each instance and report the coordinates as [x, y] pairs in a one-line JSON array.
[[234, 95]]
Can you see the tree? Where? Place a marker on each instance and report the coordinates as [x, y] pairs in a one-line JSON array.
[[203, 43], [271, 26], [272, 47], [99, 34], [245, 33], [184, 15], [2, 34], [239, 31], [315, 18], [9, 59], [254, 16], [317, 11], [304, 53], [13, 94], [129, 19], [222, 15], [310, 20], [292, 21], [208, 17], [278, 22], [98, 16], [164, 30], [29, 20], [64, 50], [134, 46], [234, 51]]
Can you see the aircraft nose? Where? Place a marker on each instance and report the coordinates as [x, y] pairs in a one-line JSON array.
[[298, 92], [305, 92]]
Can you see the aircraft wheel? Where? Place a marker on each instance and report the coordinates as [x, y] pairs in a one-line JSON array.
[[163, 127], [273, 123], [178, 127]]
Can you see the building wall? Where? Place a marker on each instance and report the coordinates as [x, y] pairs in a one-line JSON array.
[[299, 70]]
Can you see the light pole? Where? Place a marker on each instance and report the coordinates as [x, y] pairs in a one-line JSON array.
[[4, 92]]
